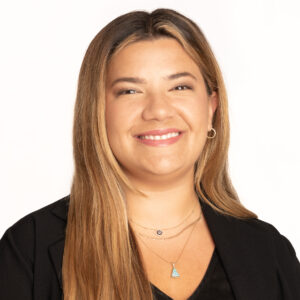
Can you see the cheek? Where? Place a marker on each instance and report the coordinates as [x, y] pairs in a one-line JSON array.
[[118, 121], [196, 115]]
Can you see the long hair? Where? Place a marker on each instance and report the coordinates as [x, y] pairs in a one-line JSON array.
[[101, 257]]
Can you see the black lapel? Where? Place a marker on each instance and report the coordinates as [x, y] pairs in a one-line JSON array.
[[245, 254], [56, 249]]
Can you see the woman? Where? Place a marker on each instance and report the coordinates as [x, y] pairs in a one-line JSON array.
[[152, 213]]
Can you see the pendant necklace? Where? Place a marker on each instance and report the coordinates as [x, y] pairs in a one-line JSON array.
[[174, 272]]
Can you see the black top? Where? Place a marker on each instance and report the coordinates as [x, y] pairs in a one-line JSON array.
[[214, 285], [260, 263]]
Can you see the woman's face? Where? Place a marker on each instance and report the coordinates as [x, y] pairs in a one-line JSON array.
[[158, 112]]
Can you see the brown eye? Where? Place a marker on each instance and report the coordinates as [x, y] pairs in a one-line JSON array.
[[182, 87], [126, 92]]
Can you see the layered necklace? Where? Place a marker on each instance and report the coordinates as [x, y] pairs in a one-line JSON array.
[[160, 234]]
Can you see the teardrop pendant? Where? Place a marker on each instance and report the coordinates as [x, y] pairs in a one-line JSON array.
[[174, 274]]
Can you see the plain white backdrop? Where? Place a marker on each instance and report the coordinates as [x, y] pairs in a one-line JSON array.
[[257, 45]]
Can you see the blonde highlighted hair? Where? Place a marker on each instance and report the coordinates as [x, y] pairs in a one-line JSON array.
[[101, 258]]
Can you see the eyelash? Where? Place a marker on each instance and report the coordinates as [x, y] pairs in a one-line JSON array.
[[185, 86], [124, 92]]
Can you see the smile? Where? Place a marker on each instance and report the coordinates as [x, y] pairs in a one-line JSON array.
[[159, 137], [159, 140]]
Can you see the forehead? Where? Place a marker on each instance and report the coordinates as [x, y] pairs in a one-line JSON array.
[[158, 56]]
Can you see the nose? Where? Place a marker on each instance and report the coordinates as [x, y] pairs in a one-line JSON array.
[[158, 107]]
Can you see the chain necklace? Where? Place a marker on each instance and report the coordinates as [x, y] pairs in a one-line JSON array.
[[172, 236], [159, 232], [174, 273]]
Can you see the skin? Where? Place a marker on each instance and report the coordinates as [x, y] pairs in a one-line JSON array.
[[163, 173]]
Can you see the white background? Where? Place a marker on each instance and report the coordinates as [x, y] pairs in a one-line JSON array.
[[257, 45]]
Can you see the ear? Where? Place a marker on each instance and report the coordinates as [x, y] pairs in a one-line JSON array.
[[213, 102]]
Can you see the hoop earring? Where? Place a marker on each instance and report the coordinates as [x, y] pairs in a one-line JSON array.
[[214, 133]]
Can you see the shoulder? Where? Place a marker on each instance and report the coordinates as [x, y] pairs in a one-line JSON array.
[[45, 223], [266, 250], [58, 209], [26, 257], [266, 232], [252, 234], [270, 233], [283, 256], [264, 237], [251, 230]]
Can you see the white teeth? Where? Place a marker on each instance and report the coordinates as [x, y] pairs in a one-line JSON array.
[[159, 137]]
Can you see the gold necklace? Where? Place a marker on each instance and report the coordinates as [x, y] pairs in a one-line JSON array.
[[172, 236], [160, 232], [174, 272]]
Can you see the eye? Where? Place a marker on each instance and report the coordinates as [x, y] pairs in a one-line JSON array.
[[126, 92], [183, 87]]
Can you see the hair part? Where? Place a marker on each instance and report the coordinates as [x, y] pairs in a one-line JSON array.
[[101, 257]]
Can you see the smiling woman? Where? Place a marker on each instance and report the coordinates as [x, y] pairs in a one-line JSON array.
[[167, 96], [152, 213]]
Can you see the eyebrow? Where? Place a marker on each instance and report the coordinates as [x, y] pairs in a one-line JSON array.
[[181, 74], [143, 81]]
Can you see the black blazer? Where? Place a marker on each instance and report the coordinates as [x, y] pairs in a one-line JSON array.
[[261, 264]]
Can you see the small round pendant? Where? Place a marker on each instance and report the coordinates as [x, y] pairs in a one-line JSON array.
[[159, 232]]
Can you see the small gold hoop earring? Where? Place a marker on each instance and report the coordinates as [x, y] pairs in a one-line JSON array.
[[213, 134]]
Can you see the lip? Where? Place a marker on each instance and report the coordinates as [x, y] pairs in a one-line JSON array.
[[159, 132], [159, 143]]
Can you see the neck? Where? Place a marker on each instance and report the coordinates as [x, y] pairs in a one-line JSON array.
[[162, 207]]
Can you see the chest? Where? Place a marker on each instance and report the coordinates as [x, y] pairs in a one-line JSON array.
[[191, 265]]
